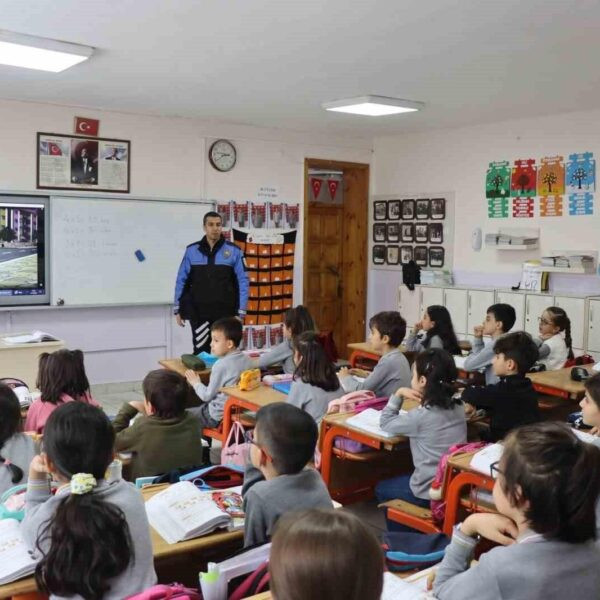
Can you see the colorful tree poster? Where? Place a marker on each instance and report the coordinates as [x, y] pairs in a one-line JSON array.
[[497, 180], [551, 206], [581, 173], [522, 208], [498, 208], [551, 176], [581, 204], [523, 178]]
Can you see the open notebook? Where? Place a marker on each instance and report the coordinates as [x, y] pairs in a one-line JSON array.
[[395, 588], [182, 512], [15, 560], [368, 420], [30, 338]]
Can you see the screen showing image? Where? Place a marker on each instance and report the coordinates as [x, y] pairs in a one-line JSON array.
[[23, 262]]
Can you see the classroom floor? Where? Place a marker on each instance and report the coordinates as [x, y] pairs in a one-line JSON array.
[[112, 396]]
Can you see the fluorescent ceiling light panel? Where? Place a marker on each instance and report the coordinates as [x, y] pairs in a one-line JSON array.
[[30, 52], [373, 106]]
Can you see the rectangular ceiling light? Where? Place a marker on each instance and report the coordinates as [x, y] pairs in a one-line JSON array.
[[373, 106], [31, 52]]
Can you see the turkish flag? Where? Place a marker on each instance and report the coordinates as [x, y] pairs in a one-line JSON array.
[[84, 126], [54, 149], [332, 184], [316, 186]]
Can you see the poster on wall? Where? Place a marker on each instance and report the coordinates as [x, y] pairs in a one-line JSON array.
[[522, 208], [421, 233], [581, 173], [581, 204], [438, 209], [408, 210], [523, 178], [74, 162], [551, 176], [551, 206], [407, 232], [394, 208], [420, 255], [379, 232], [393, 255], [406, 254], [436, 233], [498, 208], [378, 255], [436, 256], [497, 180], [380, 210], [393, 232], [422, 209]]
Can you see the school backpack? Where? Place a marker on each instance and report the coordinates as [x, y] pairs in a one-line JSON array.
[[255, 583], [407, 550], [170, 591]]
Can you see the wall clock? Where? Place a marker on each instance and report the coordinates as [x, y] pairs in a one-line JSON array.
[[222, 155]]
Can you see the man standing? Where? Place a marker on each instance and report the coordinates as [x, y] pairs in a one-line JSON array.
[[211, 283]]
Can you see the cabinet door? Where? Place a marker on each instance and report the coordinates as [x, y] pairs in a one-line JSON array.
[[517, 301], [575, 309], [535, 305], [429, 296], [408, 305], [456, 303], [593, 340], [478, 303]]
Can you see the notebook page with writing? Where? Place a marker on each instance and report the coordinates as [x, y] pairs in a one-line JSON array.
[[15, 560], [368, 420], [395, 588], [484, 458]]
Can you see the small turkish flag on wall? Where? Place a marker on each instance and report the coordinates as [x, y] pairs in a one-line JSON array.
[[84, 126]]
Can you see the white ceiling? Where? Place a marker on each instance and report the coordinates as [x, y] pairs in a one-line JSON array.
[[273, 62]]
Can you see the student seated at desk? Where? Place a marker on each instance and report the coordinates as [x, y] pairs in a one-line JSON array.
[[499, 319], [554, 343], [328, 554], [392, 371], [590, 406], [315, 381], [16, 448], [165, 436], [513, 400], [438, 332], [547, 485], [92, 538], [226, 335], [295, 321], [61, 378], [431, 428], [277, 481]]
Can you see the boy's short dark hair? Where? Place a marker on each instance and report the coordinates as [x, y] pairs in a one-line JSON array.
[[211, 214], [288, 435], [390, 323], [167, 392], [504, 313], [519, 347], [230, 327]]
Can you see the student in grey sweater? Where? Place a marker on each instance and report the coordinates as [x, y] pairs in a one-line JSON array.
[[16, 448], [499, 320], [278, 480], [438, 423], [315, 382], [438, 332], [88, 518], [546, 524], [226, 335], [392, 371]]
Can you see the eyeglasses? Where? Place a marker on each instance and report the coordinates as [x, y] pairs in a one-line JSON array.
[[494, 470], [544, 321]]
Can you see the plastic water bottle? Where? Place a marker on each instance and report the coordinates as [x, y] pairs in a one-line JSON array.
[[213, 586]]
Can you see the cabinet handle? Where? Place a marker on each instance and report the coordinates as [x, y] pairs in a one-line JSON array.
[[527, 308], [469, 301], [445, 299], [591, 313]]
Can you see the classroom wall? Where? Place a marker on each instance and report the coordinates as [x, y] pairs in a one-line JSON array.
[[168, 160], [457, 160]]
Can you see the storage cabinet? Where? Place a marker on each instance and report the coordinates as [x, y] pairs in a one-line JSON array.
[[535, 305], [429, 296], [517, 301], [593, 333], [455, 301], [575, 309], [409, 305], [478, 301]]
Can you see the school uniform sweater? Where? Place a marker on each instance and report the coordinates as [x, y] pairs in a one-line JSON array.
[[266, 500], [480, 359], [158, 444], [225, 372], [19, 449], [390, 373], [39, 412], [40, 507], [311, 398], [431, 430], [533, 568], [510, 403], [416, 342], [282, 353], [553, 352]]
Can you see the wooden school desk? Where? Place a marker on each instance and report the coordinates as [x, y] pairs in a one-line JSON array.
[[176, 364], [163, 552], [336, 425], [559, 383]]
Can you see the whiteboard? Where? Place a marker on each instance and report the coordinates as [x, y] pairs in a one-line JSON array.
[[93, 244]]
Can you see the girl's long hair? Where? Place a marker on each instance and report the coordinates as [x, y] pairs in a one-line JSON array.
[[88, 538], [560, 319], [10, 423], [298, 320], [438, 368], [443, 328], [62, 372], [315, 367]]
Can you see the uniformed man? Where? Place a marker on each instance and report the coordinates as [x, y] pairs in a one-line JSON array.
[[211, 283]]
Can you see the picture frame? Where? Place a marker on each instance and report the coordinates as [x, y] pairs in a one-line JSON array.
[[406, 254], [408, 210], [421, 233], [77, 162], [394, 208], [407, 232], [438, 209], [436, 233], [379, 232], [422, 209], [436, 256], [379, 255], [380, 210], [393, 232], [420, 255], [392, 255]]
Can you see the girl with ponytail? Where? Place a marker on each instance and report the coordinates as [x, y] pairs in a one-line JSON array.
[[438, 331], [436, 424], [546, 492], [92, 537], [554, 342]]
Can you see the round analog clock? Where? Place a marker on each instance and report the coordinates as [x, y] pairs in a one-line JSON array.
[[222, 155]]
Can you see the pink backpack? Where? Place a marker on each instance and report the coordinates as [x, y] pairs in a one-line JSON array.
[[235, 450], [165, 592]]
